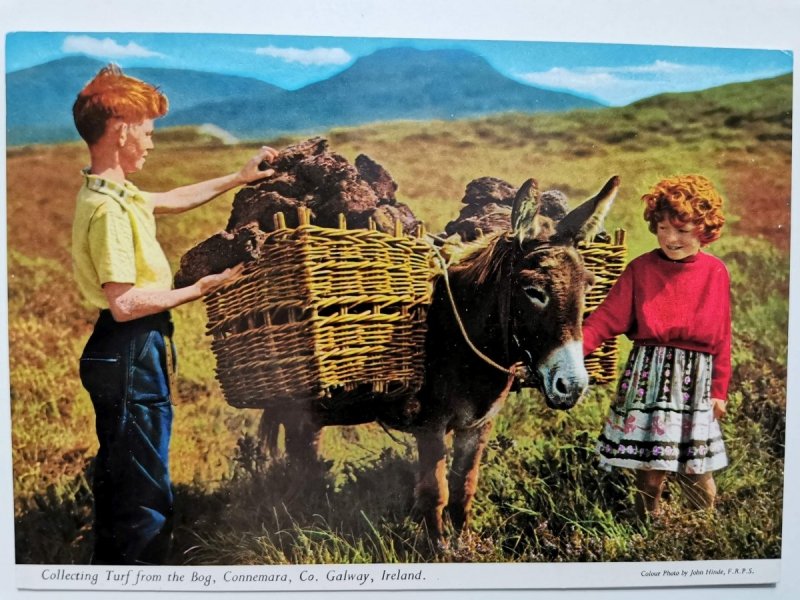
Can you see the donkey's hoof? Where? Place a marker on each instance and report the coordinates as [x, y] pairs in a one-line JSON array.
[[436, 547]]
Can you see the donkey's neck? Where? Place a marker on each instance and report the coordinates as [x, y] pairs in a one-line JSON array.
[[483, 310]]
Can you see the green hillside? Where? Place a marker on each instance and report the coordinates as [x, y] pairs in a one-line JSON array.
[[541, 495]]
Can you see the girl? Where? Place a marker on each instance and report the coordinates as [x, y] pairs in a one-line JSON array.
[[674, 303]]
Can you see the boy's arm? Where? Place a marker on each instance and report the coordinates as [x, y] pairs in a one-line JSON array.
[[127, 302], [191, 196]]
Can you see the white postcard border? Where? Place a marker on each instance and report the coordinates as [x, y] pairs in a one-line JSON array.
[[405, 576], [745, 23]]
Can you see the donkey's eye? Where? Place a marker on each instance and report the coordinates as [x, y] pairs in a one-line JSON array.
[[537, 295]]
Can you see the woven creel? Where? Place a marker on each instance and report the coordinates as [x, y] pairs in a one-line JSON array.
[[606, 260], [321, 312]]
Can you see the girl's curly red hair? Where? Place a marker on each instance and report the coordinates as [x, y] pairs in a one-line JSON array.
[[686, 199], [112, 94]]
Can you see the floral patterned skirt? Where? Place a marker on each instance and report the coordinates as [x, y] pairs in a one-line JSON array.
[[662, 417]]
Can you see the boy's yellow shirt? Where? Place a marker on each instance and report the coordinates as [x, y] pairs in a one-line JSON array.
[[114, 240]]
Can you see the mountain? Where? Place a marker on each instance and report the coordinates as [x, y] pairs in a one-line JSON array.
[[390, 84], [395, 83], [39, 99]]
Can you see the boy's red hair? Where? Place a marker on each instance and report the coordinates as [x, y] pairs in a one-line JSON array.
[[686, 199], [112, 94]]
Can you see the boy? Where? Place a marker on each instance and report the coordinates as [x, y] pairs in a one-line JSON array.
[[121, 269]]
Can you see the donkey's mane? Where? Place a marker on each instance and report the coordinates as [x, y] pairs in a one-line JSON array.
[[482, 261]]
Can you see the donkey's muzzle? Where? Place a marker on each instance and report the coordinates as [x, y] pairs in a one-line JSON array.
[[563, 376]]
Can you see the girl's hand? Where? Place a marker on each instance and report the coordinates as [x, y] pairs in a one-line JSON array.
[[719, 407]]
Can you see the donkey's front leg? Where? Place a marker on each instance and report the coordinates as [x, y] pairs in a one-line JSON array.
[[431, 489], [468, 445]]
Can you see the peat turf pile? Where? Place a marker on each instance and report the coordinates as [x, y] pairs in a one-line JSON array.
[[487, 208], [306, 175]]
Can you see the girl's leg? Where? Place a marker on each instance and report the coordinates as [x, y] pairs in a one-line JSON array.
[[649, 485], [700, 490]]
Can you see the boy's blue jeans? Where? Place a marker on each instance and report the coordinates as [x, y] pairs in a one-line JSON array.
[[124, 369]]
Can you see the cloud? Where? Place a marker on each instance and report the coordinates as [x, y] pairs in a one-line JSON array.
[[314, 57], [575, 79], [105, 48], [622, 84], [659, 66]]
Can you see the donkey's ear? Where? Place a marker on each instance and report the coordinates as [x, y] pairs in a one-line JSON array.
[[524, 212], [586, 220]]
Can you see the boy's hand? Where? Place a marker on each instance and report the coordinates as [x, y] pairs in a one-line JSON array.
[[210, 283], [254, 168]]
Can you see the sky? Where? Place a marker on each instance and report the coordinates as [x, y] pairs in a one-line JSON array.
[[615, 74]]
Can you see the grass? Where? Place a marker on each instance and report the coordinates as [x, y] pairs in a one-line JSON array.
[[541, 496]]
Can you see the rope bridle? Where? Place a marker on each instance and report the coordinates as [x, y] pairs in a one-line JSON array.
[[518, 370]]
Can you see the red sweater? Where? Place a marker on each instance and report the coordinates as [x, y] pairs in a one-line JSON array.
[[683, 304]]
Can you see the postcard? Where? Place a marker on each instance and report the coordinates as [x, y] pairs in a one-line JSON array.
[[375, 302]]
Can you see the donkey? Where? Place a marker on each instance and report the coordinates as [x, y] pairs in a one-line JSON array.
[[518, 297]]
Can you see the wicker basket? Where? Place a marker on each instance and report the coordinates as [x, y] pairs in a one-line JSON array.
[[607, 261], [323, 311]]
